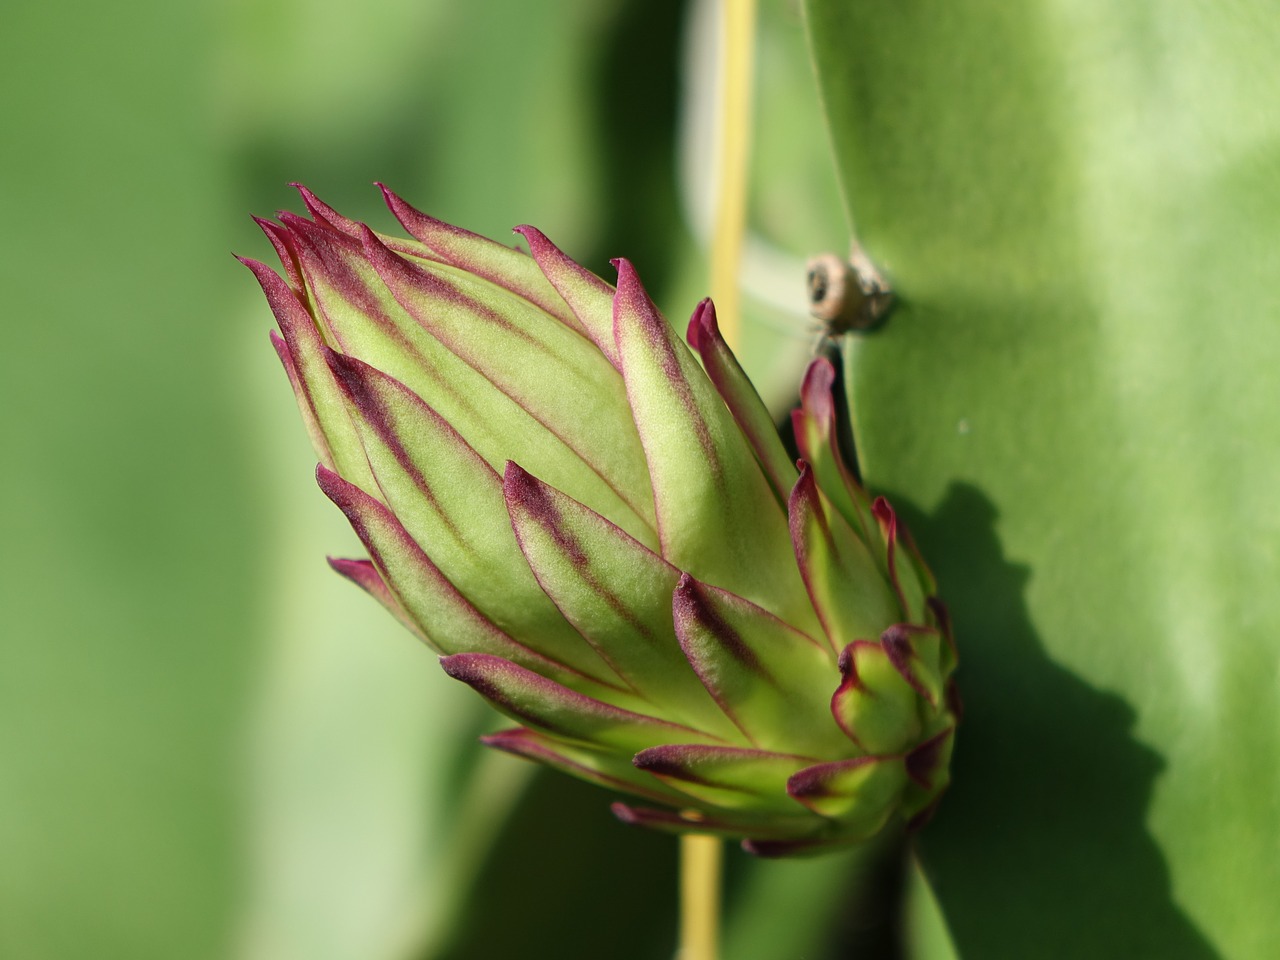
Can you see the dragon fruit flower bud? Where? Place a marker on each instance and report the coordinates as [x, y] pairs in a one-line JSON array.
[[606, 539]]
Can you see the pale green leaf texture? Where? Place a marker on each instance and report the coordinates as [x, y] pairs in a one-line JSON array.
[[1075, 406]]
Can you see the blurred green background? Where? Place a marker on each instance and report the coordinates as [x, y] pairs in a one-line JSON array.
[[211, 746]]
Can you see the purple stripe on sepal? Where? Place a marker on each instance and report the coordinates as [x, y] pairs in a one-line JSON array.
[[499, 264], [682, 760], [740, 396], [552, 372], [693, 611], [557, 514], [319, 393], [545, 705], [875, 705], [762, 672], [447, 619], [325, 215], [942, 617], [321, 212], [820, 780], [450, 500], [932, 756], [358, 380], [703, 329], [862, 793], [364, 574], [423, 227], [844, 582], [614, 590], [279, 238], [405, 279], [670, 821], [353, 307], [363, 512], [329, 260], [525, 493], [632, 307], [285, 357], [816, 430], [896, 641], [348, 298], [851, 685], [912, 581], [594, 766], [289, 312], [706, 481], [314, 432], [361, 383], [528, 497], [810, 532], [815, 394], [588, 296], [849, 679], [726, 778]]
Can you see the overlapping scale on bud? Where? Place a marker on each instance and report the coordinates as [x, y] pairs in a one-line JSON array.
[[608, 541]]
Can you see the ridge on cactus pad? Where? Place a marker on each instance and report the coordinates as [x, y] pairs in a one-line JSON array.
[[607, 540]]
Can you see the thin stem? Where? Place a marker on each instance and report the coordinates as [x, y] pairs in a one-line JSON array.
[[701, 856], [700, 863], [738, 24]]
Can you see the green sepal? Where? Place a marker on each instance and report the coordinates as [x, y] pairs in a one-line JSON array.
[[862, 793], [280, 240], [590, 299], [817, 439], [929, 769], [550, 370], [333, 434], [605, 768], [443, 243], [845, 583], [315, 433], [726, 778], [740, 396], [442, 616], [911, 579], [450, 501], [762, 672], [496, 262], [705, 477], [364, 574], [875, 705], [565, 714], [919, 654], [615, 591], [361, 316]]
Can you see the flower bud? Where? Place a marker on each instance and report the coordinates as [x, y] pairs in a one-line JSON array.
[[607, 540]]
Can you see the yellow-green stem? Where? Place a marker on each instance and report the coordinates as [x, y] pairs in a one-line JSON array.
[[737, 31], [701, 856], [700, 864]]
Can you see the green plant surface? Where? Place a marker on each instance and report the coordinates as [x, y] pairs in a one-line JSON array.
[[126, 578], [1075, 402]]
